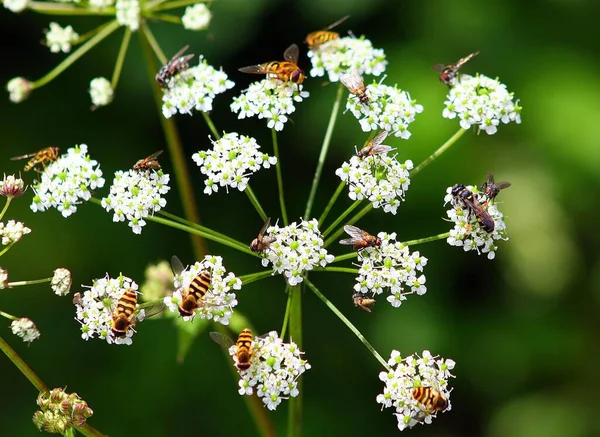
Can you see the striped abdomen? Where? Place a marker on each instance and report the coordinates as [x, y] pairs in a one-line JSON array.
[[244, 343], [123, 316], [432, 400], [193, 295], [315, 39]]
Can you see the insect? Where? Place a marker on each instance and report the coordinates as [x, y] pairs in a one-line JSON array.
[[243, 343], [126, 314], [364, 303], [77, 299], [150, 162], [262, 241], [448, 73], [432, 400], [315, 39], [485, 220], [44, 156], [360, 239], [177, 64], [286, 71], [491, 188], [374, 147], [191, 298], [353, 81]]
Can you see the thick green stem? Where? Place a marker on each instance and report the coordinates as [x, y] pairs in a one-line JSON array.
[[295, 325], [120, 58], [439, 151], [324, 150], [8, 316], [342, 217], [32, 282], [279, 178], [254, 201], [6, 205], [211, 125], [286, 316], [427, 239], [360, 214], [22, 366], [332, 201]]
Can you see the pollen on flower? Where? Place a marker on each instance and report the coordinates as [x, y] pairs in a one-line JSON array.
[[11, 186], [25, 329], [12, 231], [231, 162], [18, 88], [67, 181], [101, 92], [128, 13], [196, 17], [16, 5], [60, 38], [271, 99], [61, 282]]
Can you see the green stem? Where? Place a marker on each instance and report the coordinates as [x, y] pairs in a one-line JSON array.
[[6, 249], [344, 257], [280, 178], [324, 150], [84, 37], [154, 45], [347, 322], [286, 316], [331, 202], [175, 4], [254, 201], [107, 29], [295, 325], [253, 277], [427, 239], [22, 366], [197, 226], [336, 269], [342, 217], [68, 9], [360, 214], [8, 316], [6, 205], [211, 125], [33, 282], [120, 58], [439, 151], [165, 17]]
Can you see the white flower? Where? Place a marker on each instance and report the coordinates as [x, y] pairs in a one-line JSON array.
[[67, 181], [196, 17], [12, 231], [128, 13], [271, 99], [408, 384], [25, 329], [380, 179], [274, 370], [101, 3], [482, 102], [231, 162], [101, 91], [11, 186], [18, 88], [16, 5], [136, 194], [391, 266], [341, 55], [297, 249], [60, 38], [468, 231], [389, 109], [3, 278], [61, 282], [218, 301]]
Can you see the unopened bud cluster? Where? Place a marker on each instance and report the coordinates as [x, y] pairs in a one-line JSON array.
[[60, 411]]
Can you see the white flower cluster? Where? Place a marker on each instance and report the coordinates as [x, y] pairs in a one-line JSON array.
[[297, 249], [196, 17], [25, 329], [271, 99], [101, 3], [218, 302], [231, 162], [482, 102], [18, 88], [67, 181], [380, 179], [194, 88], [391, 266], [60, 38], [467, 232], [389, 109], [341, 55], [128, 13], [61, 282], [16, 5], [12, 231], [136, 194], [407, 384], [101, 91], [274, 369]]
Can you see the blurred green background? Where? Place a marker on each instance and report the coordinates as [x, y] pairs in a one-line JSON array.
[[523, 328]]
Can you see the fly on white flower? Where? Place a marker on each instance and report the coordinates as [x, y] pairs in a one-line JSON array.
[[449, 73], [178, 63], [314, 39]]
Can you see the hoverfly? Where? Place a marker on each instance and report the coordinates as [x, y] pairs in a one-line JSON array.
[[262, 241], [243, 343], [432, 400], [364, 303], [360, 239], [448, 73], [491, 188], [177, 64], [44, 156], [191, 297], [471, 201], [374, 147], [353, 81], [126, 314], [315, 39], [286, 71], [149, 162]]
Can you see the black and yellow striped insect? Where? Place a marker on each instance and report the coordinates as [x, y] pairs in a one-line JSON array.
[[287, 71], [192, 296], [127, 313], [43, 157], [243, 343], [315, 39]]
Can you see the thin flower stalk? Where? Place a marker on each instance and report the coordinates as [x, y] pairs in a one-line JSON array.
[[427, 239], [255, 203], [360, 214], [331, 202], [120, 58], [284, 216], [453, 139], [345, 214]]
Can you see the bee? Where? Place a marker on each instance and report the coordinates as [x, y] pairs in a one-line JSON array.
[[432, 400], [191, 298], [177, 64], [243, 343], [448, 73], [360, 239], [126, 315], [491, 188], [149, 162], [286, 71], [262, 241], [353, 81], [374, 147], [44, 156], [364, 303], [315, 39], [471, 201]]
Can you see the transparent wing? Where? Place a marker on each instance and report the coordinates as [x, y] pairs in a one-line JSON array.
[[254, 69], [264, 228], [380, 150], [351, 241], [352, 81], [490, 178], [176, 265], [16, 158], [181, 52], [354, 232], [502, 185], [439, 67], [153, 156], [151, 309], [221, 339], [464, 60], [291, 54], [379, 138], [337, 23]]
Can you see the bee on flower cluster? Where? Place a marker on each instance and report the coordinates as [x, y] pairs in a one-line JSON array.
[[314, 39], [148, 163], [244, 351], [192, 296], [126, 313], [449, 73], [285, 71], [176, 65], [44, 156]]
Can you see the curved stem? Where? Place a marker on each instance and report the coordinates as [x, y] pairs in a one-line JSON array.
[[6, 249], [22, 366], [332, 201], [279, 178], [254, 201], [295, 325], [453, 139], [360, 214], [342, 217], [324, 150], [428, 239], [120, 58], [286, 316], [6, 205], [211, 125]]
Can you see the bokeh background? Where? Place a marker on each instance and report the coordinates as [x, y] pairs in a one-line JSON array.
[[522, 328]]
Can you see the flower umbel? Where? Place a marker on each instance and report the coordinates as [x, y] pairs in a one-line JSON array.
[[61, 282], [25, 329], [12, 231], [196, 17], [59, 39], [18, 88], [12, 186], [60, 411], [101, 92]]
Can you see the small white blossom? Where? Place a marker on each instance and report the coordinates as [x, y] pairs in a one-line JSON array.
[[136, 194], [16, 5], [274, 370], [403, 382], [3, 278], [18, 88], [67, 181], [25, 329], [61, 282], [60, 38], [128, 13], [380, 179], [12, 231], [101, 3], [196, 17], [389, 109], [271, 99], [391, 266], [341, 55], [101, 91], [297, 249], [219, 300], [482, 102], [11, 186], [231, 162]]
